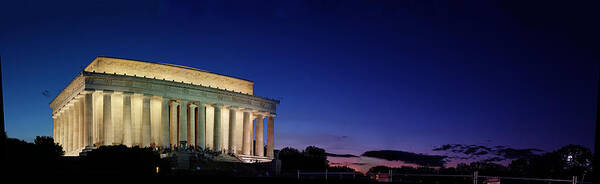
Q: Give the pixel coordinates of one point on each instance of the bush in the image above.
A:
(121, 160)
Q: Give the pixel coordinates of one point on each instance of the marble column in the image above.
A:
(136, 119)
(67, 132)
(55, 136)
(146, 129)
(98, 106)
(259, 146)
(247, 137)
(54, 125)
(218, 134)
(225, 129)
(155, 120)
(201, 126)
(82, 138)
(173, 127)
(183, 108)
(252, 134)
(58, 126)
(117, 112)
(232, 129)
(164, 132)
(88, 118)
(210, 127)
(59, 136)
(239, 131)
(70, 128)
(192, 124)
(64, 120)
(66, 128)
(108, 125)
(63, 129)
(75, 124)
(270, 136)
(127, 122)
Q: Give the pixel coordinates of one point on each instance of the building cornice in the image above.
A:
(183, 85)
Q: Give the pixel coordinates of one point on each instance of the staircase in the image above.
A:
(227, 158)
(253, 159)
(86, 150)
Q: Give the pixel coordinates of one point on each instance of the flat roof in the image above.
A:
(105, 64)
(174, 65)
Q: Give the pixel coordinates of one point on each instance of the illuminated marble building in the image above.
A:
(135, 103)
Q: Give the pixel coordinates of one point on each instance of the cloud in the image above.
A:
(444, 147)
(494, 159)
(466, 149)
(490, 154)
(340, 155)
(341, 138)
(363, 163)
(511, 153)
(480, 153)
(408, 157)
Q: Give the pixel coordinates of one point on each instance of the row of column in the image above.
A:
(113, 118)
(70, 125)
(220, 128)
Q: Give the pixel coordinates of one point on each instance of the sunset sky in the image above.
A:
(351, 77)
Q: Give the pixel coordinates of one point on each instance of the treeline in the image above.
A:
(121, 160)
(310, 159)
(44, 157)
(40, 157)
(568, 161)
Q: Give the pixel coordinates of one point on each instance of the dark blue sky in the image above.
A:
(352, 76)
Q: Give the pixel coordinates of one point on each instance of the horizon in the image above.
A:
(351, 78)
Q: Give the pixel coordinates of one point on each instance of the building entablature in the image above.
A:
(89, 81)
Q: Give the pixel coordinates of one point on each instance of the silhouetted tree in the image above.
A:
(45, 144)
(340, 169)
(121, 160)
(570, 160)
(488, 168)
(311, 159)
(576, 160)
(520, 167)
(41, 157)
(290, 159)
(379, 169)
(315, 159)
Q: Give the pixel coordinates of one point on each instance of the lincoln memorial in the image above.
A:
(117, 101)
